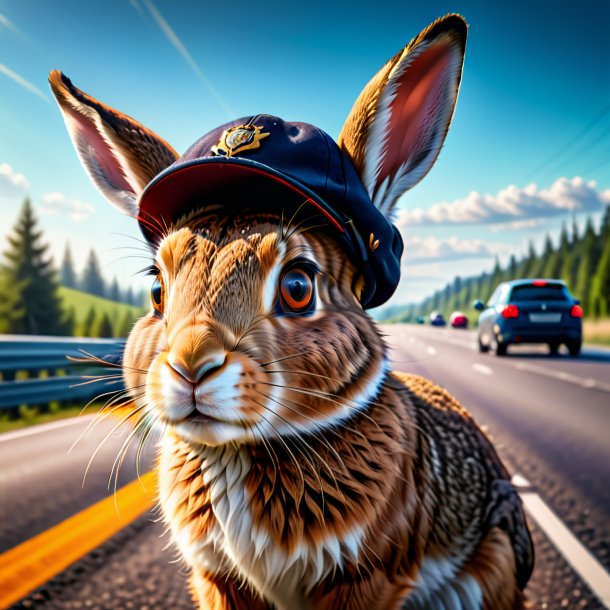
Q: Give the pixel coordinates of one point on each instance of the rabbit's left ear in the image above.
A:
(120, 155)
(398, 124)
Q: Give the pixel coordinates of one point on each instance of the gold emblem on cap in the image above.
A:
(373, 243)
(239, 139)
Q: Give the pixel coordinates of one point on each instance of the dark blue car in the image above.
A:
(530, 311)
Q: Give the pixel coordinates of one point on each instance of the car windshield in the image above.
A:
(548, 292)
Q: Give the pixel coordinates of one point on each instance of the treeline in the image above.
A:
(30, 301)
(581, 260)
(101, 324)
(92, 281)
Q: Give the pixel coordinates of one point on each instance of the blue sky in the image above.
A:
(531, 130)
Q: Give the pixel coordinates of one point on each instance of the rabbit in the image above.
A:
(296, 470)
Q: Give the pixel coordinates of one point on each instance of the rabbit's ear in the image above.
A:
(120, 155)
(399, 122)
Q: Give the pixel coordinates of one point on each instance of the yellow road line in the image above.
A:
(32, 563)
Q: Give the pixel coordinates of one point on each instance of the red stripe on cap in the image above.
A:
(240, 167)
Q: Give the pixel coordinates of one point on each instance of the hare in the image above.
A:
(296, 471)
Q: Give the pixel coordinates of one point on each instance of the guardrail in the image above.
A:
(28, 356)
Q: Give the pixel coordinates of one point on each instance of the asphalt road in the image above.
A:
(547, 415)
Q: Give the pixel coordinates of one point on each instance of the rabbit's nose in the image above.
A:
(196, 371)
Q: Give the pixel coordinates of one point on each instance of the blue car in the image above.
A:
(530, 311)
(436, 319)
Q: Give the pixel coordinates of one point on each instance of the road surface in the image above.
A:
(547, 415)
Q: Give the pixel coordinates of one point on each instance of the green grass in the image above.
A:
(81, 302)
(30, 417)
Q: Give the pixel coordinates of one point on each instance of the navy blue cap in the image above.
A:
(263, 162)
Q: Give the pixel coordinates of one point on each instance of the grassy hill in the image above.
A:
(81, 302)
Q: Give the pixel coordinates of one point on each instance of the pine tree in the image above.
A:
(589, 253)
(114, 294)
(539, 267)
(89, 322)
(11, 307)
(33, 305)
(67, 276)
(93, 282)
(512, 268)
(125, 326)
(528, 264)
(104, 327)
(600, 292)
(70, 321)
(129, 296)
(552, 269)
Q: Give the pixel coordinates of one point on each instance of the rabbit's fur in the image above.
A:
(318, 479)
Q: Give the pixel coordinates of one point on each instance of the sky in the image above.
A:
(528, 148)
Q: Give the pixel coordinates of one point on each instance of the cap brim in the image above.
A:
(236, 182)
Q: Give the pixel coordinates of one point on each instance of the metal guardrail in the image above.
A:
(33, 354)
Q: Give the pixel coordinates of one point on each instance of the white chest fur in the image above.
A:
(232, 545)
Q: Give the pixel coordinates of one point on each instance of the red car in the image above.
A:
(458, 320)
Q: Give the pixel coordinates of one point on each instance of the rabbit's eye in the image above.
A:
(157, 295)
(297, 290)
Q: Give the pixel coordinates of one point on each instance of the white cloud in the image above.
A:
(424, 250)
(512, 204)
(12, 184)
(56, 203)
(519, 225)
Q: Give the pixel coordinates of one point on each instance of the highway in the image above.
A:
(548, 417)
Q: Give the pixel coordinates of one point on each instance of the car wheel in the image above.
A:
(574, 348)
(483, 348)
(500, 348)
(554, 348)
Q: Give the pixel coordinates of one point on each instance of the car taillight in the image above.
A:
(510, 311)
(576, 311)
(539, 282)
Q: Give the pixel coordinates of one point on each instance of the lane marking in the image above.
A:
(583, 382)
(431, 350)
(483, 369)
(40, 428)
(32, 563)
(578, 556)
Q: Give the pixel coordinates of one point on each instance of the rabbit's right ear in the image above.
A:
(399, 122)
(120, 155)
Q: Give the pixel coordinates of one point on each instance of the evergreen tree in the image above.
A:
(104, 327)
(528, 264)
(604, 229)
(89, 322)
(129, 296)
(539, 267)
(114, 294)
(35, 305)
(67, 276)
(11, 307)
(126, 324)
(601, 283)
(70, 321)
(552, 269)
(93, 282)
(589, 253)
(512, 268)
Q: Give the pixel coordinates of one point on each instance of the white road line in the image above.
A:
(583, 562)
(39, 429)
(431, 350)
(584, 382)
(484, 370)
